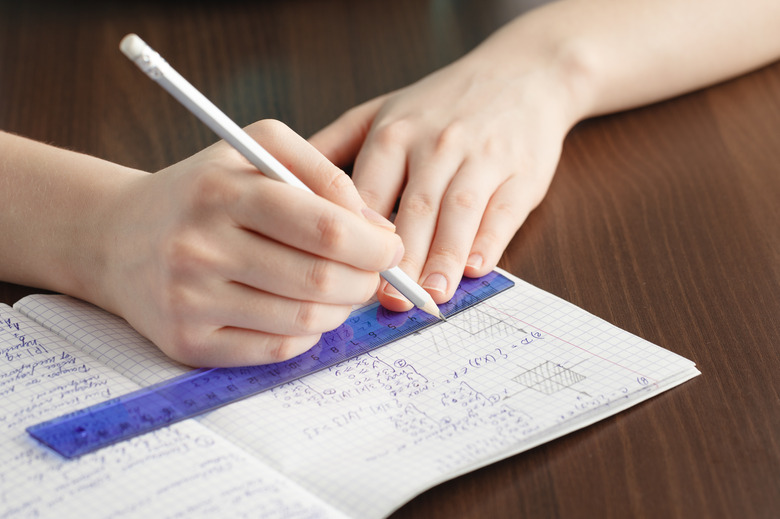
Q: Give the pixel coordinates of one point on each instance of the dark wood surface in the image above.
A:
(663, 220)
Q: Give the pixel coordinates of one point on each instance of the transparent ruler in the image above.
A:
(202, 390)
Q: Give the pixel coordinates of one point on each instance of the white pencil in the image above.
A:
(159, 70)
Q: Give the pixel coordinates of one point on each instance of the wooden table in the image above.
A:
(664, 220)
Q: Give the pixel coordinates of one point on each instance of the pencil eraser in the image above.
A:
(132, 46)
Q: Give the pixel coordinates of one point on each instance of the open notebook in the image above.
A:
(356, 440)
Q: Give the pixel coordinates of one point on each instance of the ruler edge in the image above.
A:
(95, 446)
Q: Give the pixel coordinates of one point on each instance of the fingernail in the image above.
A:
(474, 261)
(436, 283)
(391, 291)
(376, 218)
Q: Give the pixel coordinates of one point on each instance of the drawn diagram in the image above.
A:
(480, 322)
(477, 325)
(548, 378)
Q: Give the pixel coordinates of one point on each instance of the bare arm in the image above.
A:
(619, 54)
(471, 149)
(212, 261)
(51, 200)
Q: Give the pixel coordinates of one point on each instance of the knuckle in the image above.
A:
(321, 279)
(184, 253)
(331, 232)
(453, 136)
(370, 196)
(306, 318)
(339, 182)
(465, 200)
(412, 263)
(185, 351)
(448, 254)
(420, 204)
(184, 342)
(512, 212)
(181, 305)
(394, 132)
(177, 302)
(490, 235)
(491, 242)
(493, 147)
(209, 189)
(285, 347)
(314, 318)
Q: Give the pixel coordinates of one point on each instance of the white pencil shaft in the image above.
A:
(160, 71)
(404, 284)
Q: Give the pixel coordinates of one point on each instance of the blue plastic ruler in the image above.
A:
(202, 390)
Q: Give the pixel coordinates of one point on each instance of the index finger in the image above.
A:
(310, 223)
(307, 163)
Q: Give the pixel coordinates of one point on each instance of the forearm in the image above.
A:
(209, 259)
(612, 55)
(54, 204)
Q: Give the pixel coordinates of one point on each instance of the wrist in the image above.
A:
(96, 244)
(539, 46)
(56, 205)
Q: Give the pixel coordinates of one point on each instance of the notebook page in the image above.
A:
(104, 336)
(518, 370)
(181, 471)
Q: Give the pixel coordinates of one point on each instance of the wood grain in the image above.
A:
(662, 220)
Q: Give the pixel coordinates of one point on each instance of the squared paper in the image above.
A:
(358, 439)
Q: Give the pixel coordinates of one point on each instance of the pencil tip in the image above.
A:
(431, 308)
